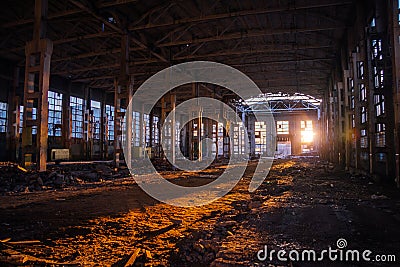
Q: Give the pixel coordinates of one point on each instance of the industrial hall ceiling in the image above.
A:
(282, 45)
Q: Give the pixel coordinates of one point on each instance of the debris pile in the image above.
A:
(15, 179)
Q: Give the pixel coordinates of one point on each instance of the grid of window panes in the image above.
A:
(377, 60)
(177, 133)
(239, 140)
(55, 113)
(96, 118)
(146, 118)
(360, 70)
(307, 131)
(220, 134)
(364, 139)
(398, 8)
(282, 127)
(76, 104)
(380, 135)
(214, 137)
(3, 117)
(351, 93)
(136, 127)
(155, 130)
(379, 102)
(364, 155)
(364, 116)
(260, 137)
(21, 119)
(122, 123)
(363, 92)
(110, 121)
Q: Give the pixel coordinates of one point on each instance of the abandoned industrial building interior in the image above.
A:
(271, 126)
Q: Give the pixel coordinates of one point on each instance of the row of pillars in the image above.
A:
(37, 76)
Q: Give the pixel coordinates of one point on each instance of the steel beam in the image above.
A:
(237, 14)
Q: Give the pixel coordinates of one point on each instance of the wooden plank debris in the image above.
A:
(132, 258)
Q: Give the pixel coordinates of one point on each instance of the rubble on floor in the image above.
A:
(14, 179)
(302, 204)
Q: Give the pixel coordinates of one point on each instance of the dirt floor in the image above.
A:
(303, 204)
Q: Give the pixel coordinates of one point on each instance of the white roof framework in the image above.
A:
(279, 103)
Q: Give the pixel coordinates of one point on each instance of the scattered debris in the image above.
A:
(375, 197)
(132, 258)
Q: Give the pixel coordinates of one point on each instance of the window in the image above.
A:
(376, 46)
(381, 157)
(155, 130)
(352, 102)
(351, 93)
(351, 85)
(377, 63)
(307, 132)
(398, 8)
(379, 102)
(364, 116)
(373, 23)
(21, 119)
(353, 121)
(110, 122)
(260, 137)
(353, 141)
(177, 133)
(220, 134)
(146, 118)
(282, 127)
(214, 137)
(3, 117)
(136, 126)
(378, 78)
(364, 139)
(360, 70)
(55, 113)
(363, 92)
(76, 104)
(96, 118)
(364, 156)
(380, 135)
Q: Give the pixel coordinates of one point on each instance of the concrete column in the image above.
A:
(199, 135)
(162, 122)
(173, 125)
(122, 97)
(103, 128)
(66, 118)
(13, 119)
(38, 56)
(394, 25)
